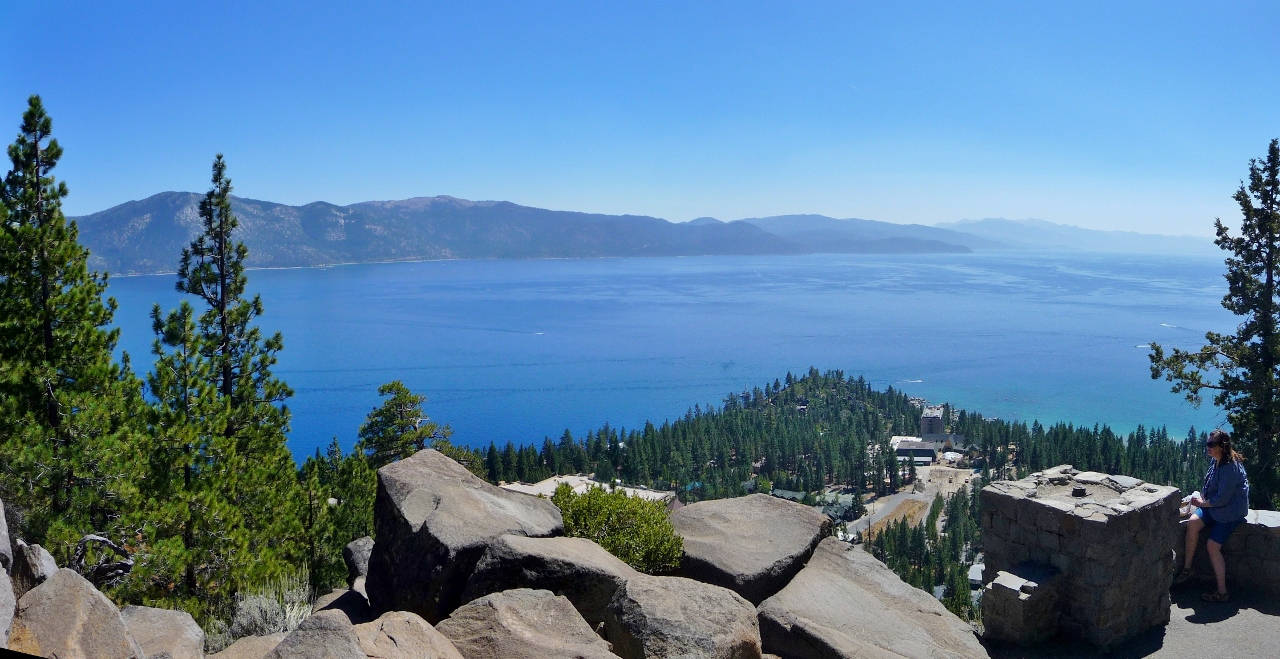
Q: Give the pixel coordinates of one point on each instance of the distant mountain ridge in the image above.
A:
(147, 236)
(1039, 234)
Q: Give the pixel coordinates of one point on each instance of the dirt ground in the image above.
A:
(945, 479)
(913, 509)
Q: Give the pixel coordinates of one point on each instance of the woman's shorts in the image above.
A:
(1218, 531)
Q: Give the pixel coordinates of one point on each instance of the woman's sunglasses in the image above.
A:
(1212, 445)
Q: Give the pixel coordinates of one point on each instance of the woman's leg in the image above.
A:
(1194, 525)
(1219, 565)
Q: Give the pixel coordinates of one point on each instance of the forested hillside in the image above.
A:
(827, 429)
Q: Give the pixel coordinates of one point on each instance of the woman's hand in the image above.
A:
(1197, 502)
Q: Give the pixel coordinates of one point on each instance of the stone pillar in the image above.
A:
(1110, 537)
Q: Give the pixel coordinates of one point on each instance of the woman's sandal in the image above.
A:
(1182, 576)
(1215, 596)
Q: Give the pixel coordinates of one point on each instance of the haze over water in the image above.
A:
(519, 350)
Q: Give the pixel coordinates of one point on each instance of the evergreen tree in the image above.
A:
(398, 428)
(66, 407)
(194, 542)
(1244, 368)
(265, 490)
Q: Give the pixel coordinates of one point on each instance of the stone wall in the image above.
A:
(1252, 554)
(1110, 537)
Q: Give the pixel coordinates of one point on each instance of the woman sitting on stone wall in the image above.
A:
(1222, 505)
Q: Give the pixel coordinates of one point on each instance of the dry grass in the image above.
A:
(914, 510)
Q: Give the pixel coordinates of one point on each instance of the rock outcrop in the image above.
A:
(67, 617)
(677, 617)
(356, 556)
(845, 603)
(522, 624)
(434, 520)
(351, 603)
(164, 632)
(325, 635)
(404, 635)
(576, 568)
(752, 545)
(8, 603)
(250, 647)
(32, 565)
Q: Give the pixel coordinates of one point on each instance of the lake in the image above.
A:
(520, 350)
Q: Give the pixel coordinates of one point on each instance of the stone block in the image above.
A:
(1023, 606)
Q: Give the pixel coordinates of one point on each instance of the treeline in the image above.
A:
(828, 429)
(799, 434)
(1014, 449)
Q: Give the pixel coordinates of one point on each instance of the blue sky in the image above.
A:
(1136, 115)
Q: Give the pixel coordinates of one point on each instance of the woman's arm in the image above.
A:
(1229, 480)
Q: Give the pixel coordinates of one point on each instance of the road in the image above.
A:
(935, 479)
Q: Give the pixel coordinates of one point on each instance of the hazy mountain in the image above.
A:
(1040, 234)
(824, 233)
(147, 236)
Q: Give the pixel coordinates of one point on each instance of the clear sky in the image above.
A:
(1133, 115)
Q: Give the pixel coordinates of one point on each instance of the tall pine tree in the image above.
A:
(1243, 369)
(264, 490)
(66, 407)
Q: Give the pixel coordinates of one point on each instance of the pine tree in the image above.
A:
(194, 541)
(1244, 368)
(66, 407)
(398, 428)
(265, 491)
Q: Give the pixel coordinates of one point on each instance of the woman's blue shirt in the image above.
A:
(1226, 491)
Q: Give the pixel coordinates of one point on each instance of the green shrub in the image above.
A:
(634, 529)
(277, 605)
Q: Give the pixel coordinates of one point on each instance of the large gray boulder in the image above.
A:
(325, 635)
(751, 545)
(351, 603)
(6, 550)
(250, 647)
(577, 568)
(845, 603)
(522, 624)
(67, 617)
(356, 556)
(677, 617)
(8, 603)
(433, 520)
(32, 565)
(404, 635)
(164, 631)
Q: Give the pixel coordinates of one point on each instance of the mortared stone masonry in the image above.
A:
(1104, 543)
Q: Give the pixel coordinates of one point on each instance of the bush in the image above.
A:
(634, 529)
(277, 606)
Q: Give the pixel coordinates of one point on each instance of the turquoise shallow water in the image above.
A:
(519, 350)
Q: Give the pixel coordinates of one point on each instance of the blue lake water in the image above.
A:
(519, 350)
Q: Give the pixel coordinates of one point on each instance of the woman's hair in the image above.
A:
(1221, 438)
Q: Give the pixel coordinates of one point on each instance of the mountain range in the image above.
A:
(147, 236)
